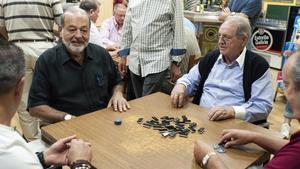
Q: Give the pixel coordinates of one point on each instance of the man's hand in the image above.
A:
(79, 150)
(118, 102)
(221, 113)
(178, 95)
(224, 14)
(56, 154)
(233, 137)
(113, 47)
(200, 150)
(175, 72)
(122, 66)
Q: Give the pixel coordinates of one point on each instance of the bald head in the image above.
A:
(291, 78)
(292, 67)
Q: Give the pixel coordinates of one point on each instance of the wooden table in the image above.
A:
(131, 146)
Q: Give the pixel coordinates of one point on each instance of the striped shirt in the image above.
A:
(29, 19)
(153, 35)
(190, 4)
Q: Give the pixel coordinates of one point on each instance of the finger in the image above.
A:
(120, 106)
(68, 139)
(124, 106)
(216, 115)
(109, 103)
(120, 67)
(226, 137)
(212, 112)
(174, 99)
(180, 100)
(115, 105)
(127, 105)
(225, 131)
(222, 115)
(231, 143)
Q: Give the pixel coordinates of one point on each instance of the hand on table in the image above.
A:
(221, 113)
(178, 95)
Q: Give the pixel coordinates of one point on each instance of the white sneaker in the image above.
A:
(285, 131)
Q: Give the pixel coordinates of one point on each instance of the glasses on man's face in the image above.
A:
(226, 38)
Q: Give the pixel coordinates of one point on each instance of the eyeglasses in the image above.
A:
(226, 38)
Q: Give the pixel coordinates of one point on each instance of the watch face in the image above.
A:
(68, 117)
(176, 63)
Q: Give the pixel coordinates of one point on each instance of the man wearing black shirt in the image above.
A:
(75, 77)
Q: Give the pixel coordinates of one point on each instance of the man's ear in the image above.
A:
(60, 31)
(91, 11)
(245, 40)
(19, 87)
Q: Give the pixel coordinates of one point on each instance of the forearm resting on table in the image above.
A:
(271, 144)
(47, 113)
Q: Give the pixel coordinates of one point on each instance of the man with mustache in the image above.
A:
(75, 77)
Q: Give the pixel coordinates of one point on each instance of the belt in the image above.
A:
(32, 40)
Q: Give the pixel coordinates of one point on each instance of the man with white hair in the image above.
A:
(75, 77)
(231, 81)
(286, 153)
(111, 28)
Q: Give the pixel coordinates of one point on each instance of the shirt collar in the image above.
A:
(240, 60)
(115, 23)
(65, 57)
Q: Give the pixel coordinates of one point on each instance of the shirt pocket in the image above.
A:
(100, 92)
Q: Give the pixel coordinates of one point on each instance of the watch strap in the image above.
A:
(206, 158)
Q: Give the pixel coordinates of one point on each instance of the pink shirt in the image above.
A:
(288, 156)
(111, 32)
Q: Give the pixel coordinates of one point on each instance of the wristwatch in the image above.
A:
(67, 117)
(206, 158)
(176, 63)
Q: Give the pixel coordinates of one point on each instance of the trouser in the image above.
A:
(143, 86)
(29, 124)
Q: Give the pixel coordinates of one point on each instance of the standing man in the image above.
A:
(111, 28)
(92, 7)
(192, 56)
(153, 37)
(75, 77)
(29, 25)
(247, 8)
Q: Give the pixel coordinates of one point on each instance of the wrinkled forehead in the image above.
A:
(228, 27)
(76, 19)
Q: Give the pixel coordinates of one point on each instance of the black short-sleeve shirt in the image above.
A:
(60, 82)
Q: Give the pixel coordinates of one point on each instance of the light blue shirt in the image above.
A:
(224, 87)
